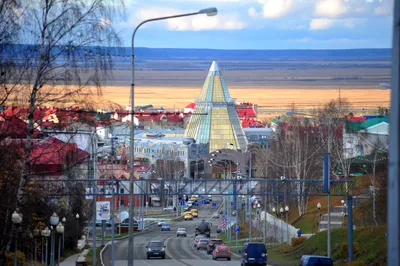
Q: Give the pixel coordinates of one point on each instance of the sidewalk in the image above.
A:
(70, 261)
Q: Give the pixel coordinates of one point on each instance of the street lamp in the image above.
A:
(77, 228)
(274, 212)
(319, 211)
(287, 223)
(281, 211)
(60, 231)
(212, 11)
(54, 220)
(46, 233)
(36, 233)
(16, 219)
(63, 220)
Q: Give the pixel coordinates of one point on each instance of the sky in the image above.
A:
(261, 24)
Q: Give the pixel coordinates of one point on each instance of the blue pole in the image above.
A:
(350, 226)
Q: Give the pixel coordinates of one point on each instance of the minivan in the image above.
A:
(253, 254)
(311, 260)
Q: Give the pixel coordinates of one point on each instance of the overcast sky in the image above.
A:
(262, 24)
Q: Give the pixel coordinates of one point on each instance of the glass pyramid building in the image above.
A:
(214, 119)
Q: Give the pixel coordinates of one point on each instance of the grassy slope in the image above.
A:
(372, 244)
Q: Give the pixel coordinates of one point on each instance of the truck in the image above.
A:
(203, 228)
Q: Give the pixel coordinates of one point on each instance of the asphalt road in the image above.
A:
(179, 251)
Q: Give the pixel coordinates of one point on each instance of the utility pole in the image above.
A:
(394, 147)
(248, 200)
(329, 188)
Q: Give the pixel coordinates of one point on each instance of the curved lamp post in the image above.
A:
(77, 228)
(54, 220)
(281, 211)
(212, 11)
(319, 214)
(274, 212)
(63, 220)
(46, 233)
(60, 231)
(287, 223)
(16, 219)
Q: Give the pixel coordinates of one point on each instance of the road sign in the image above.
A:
(196, 204)
(203, 201)
(223, 216)
(214, 204)
(237, 229)
(182, 203)
(231, 203)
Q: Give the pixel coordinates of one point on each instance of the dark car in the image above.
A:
(165, 227)
(203, 243)
(155, 248)
(213, 243)
(311, 260)
(253, 254)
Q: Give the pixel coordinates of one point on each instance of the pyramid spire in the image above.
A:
(215, 120)
(214, 88)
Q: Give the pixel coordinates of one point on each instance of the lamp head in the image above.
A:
(273, 210)
(211, 11)
(281, 210)
(319, 205)
(77, 216)
(287, 208)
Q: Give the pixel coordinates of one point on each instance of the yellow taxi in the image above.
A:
(188, 216)
(195, 213)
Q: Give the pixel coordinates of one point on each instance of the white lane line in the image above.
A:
(169, 254)
(145, 263)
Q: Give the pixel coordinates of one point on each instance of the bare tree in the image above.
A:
(68, 56)
(296, 153)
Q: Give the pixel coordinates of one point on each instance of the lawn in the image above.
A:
(371, 243)
(89, 257)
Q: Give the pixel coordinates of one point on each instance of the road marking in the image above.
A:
(169, 254)
(145, 263)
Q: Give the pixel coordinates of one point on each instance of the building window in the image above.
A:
(122, 191)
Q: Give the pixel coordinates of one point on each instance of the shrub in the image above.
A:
(298, 240)
(356, 263)
(20, 258)
(343, 249)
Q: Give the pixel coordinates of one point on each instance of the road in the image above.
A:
(179, 251)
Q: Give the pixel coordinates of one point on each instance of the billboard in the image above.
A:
(103, 210)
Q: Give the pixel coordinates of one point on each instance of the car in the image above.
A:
(188, 216)
(197, 239)
(186, 208)
(307, 260)
(213, 243)
(253, 254)
(189, 203)
(215, 215)
(222, 251)
(169, 208)
(160, 223)
(155, 248)
(203, 243)
(181, 232)
(165, 227)
(209, 197)
(195, 213)
(219, 229)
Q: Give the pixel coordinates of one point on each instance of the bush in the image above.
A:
(10, 258)
(343, 251)
(298, 240)
(356, 263)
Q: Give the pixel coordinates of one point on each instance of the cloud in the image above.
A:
(192, 23)
(385, 8)
(272, 9)
(330, 8)
(320, 23)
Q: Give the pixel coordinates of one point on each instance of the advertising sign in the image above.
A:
(103, 210)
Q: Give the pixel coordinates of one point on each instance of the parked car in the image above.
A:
(213, 243)
(222, 251)
(169, 208)
(203, 243)
(197, 239)
(181, 232)
(253, 254)
(308, 260)
(165, 227)
(160, 223)
(155, 248)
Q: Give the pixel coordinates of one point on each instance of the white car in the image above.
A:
(160, 223)
(181, 232)
(215, 215)
(169, 208)
(189, 204)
